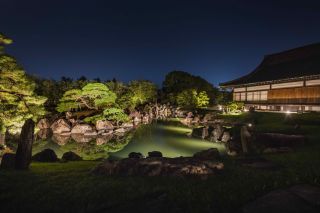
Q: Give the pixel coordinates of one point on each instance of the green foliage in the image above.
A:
(93, 96)
(17, 97)
(115, 114)
(202, 99)
(192, 99)
(178, 81)
(223, 97)
(134, 94)
(233, 106)
(143, 92)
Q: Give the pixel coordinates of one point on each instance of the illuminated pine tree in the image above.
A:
(17, 97)
(94, 97)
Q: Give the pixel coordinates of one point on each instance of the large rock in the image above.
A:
(61, 139)
(177, 167)
(200, 132)
(210, 154)
(128, 125)
(60, 126)
(82, 138)
(23, 154)
(71, 156)
(208, 117)
(296, 199)
(217, 132)
(8, 161)
(81, 129)
(44, 134)
(226, 137)
(103, 139)
(246, 139)
(46, 155)
(135, 155)
(154, 154)
(119, 131)
(104, 125)
(44, 123)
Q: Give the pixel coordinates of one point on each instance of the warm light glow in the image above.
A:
(219, 107)
(249, 125)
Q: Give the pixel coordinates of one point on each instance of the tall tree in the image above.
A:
(143, 92)
(18, 101)
(178, 81)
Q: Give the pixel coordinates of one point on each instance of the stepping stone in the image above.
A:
(310, 194)
(297, 199)
(259, 163)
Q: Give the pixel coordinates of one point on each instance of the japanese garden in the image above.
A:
(78, 143)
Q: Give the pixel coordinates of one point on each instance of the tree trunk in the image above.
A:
(24, 151)
(2, 138)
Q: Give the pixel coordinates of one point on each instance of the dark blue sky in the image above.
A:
(218, 40)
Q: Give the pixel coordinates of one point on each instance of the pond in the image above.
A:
(168, 137)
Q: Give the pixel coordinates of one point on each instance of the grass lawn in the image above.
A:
(69, 187)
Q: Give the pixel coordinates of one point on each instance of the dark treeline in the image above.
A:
(179, 88)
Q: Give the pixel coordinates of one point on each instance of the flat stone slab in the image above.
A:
(259, 163)
(296, 199)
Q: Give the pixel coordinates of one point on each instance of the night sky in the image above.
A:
(218, 40)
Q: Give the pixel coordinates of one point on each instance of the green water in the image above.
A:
(170, 138)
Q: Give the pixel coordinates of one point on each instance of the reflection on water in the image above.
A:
(170, 138)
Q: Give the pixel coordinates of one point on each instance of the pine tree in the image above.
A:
(17, 97)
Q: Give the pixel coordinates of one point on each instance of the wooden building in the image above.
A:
(285, 81)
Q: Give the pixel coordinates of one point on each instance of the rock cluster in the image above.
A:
(202, 165)
(64, 128)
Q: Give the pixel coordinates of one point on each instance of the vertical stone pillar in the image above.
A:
(245, 139)
(24, 151)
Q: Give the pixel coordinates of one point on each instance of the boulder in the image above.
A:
(127, 125)
(120, 130)
(208, 117)
(90, 133)
(225, 137)
(210, 154)
(246, 139)
(103, 139)
(104, 125)
(108, 132)
(81, 129)
(60, 139)
(154, 154)
(196, 120)
(298, 198)
(82, 138)
(43, 124)
(200, 132)
(136, 155)
(44, 133)
(217, 133)
(60, 126)
(69, 115)
(24, 151)
(71, 156)
(8, 161)
(46, 155)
